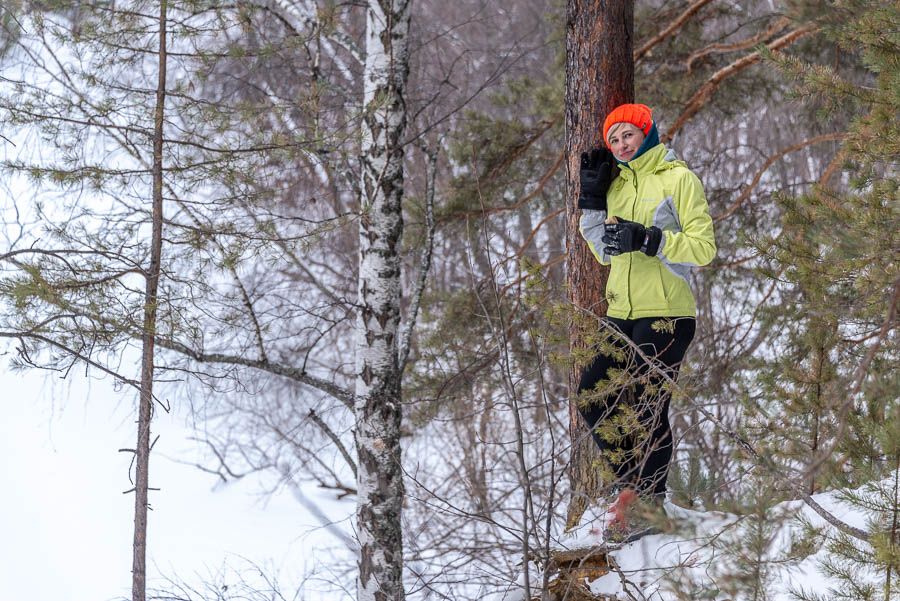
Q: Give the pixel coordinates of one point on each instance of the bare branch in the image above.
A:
(529, 519)
(490, 210)
(772, 160)
(425, 264)
(334, 438)
(673, 27)
(742, 45)
(12, 15)
(317, 512)
(701, 96)
(223, 464)
(280, 369)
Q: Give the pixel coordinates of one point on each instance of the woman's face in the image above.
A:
(624, 139)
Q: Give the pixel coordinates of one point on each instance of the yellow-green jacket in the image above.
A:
(654, 189)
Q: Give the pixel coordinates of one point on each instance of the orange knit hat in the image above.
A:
(636, 114)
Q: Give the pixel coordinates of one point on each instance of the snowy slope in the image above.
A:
(694, 564)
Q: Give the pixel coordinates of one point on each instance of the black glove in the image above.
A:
(595, 177)
(628, 236)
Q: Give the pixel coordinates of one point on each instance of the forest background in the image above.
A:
(205, 207)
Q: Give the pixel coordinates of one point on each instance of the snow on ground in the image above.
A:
(649, 567)
(65, 515)
(67, 526)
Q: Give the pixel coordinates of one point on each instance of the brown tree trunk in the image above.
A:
(599, 77)
(145, 404)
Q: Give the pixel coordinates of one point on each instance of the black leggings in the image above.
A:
(638, 456)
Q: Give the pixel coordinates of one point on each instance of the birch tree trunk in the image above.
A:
(599, 77)
(378, 391)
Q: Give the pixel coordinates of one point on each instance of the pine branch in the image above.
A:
(862, 370)
(520, 279)
(745, 194)
(702, 96)
(68, 350)
(832, 168)
(490, 210)
(262, 363)
(293, 18)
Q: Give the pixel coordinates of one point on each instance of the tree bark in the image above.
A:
(378, 392)
(151, 275)
(599, 77)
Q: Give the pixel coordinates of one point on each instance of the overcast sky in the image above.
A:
(66, 527)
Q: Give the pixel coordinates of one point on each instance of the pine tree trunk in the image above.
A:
(145, 406)
(378, 391)
(599, 77)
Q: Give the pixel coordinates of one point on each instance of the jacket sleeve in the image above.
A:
(592, 230)
(695, 244)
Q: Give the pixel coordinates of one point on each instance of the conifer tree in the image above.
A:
(68, 282)
(240, 140)
(823, 409)
(840, 250)
(114, 112)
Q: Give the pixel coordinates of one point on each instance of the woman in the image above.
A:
(651, 224)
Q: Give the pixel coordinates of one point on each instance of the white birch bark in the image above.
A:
(378, 392)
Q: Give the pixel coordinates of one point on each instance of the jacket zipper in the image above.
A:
(630, 257)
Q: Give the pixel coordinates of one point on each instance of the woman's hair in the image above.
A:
(616, 126)
(638, 115)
